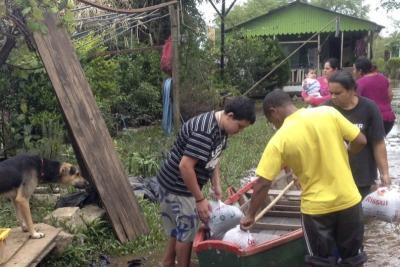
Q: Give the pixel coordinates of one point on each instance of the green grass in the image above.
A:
(243, 153)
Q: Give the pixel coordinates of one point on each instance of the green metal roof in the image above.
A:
(299, 18)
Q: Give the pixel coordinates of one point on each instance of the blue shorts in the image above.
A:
(178, 215)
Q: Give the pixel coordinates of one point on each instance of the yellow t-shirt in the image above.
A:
(311, 143)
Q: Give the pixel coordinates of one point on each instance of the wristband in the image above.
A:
(200, 200)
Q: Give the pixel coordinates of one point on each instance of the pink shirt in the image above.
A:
(376, 88)
(324, 88)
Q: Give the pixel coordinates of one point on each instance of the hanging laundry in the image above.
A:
(166, 122)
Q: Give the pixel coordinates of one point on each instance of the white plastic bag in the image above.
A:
(242, 239)
(223, 217)
(384, 204)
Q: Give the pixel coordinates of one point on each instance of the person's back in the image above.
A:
(376, 88)
(318, 156)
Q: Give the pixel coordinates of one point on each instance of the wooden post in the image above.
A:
(222, 38)
(91, 140)
(369, 44)
(341, 50)
(175, 66)
(318, 54)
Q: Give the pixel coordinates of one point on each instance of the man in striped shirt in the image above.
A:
(191, 163)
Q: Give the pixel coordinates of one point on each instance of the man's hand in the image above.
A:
(203, 210)
(386, 180)
(246, 222)
(216, 192)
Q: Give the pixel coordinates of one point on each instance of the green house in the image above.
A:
(333, 35)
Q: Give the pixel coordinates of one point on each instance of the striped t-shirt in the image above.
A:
(199, 138)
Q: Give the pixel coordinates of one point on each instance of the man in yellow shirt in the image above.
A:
(311, 143)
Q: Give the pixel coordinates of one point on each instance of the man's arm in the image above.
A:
(357, 144)
(380, 156)
(260, 191)
(216, 182)
(186, 168)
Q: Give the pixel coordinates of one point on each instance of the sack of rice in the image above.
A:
(243, 239)
(223, 217)
(384, 204)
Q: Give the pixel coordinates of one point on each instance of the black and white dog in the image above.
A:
(19, 177)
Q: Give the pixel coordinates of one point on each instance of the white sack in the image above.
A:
(384, 204)
(242, 239)
(223, 217)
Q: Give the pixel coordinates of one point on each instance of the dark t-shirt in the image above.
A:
(199, 138)
(367, 117)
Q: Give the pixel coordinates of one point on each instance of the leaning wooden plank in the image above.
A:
(14, 242)
(92, 141)
(33, 248)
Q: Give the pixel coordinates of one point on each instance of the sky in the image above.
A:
(378, 16)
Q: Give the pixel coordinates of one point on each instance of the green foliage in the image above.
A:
(34, 10)
(348, 7)
(393, 65)
(251, 9)
(390, 4)
(142, 164)
(99, 239)
(249, 59)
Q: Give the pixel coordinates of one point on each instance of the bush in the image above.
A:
(250, 59)
(393, 66)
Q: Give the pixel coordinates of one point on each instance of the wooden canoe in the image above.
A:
(278, 235)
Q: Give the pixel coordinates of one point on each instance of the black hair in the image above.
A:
(345, 79)
(276, 98)
(310, 69)
(242, 108)
(363, 64)
(333, 62)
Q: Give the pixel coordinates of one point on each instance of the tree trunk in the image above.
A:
(6, 49)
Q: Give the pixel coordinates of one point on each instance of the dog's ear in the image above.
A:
(73, 170)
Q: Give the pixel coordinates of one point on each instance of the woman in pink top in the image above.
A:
(331, 66)
(375, 86)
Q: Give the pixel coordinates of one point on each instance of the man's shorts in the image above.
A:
(178, 215)
(335, 239)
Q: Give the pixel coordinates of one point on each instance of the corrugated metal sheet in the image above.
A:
(300, 18)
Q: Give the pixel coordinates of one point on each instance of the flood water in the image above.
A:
(382, 240)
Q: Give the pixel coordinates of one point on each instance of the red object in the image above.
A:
(166, 57)
(314, 101)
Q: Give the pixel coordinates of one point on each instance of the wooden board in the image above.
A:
(33, 250)
(92, 142)
(14, 242)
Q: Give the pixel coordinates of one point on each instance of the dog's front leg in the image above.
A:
(23, 205)
(20, 218)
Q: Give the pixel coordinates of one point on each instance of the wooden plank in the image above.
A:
(289, 203)
(286, 208)
(34, 248)
(275, 226)
(289, 214)
(43, 254)
(14, 242)
(291, 193)
(173, 15)
(91, 140)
